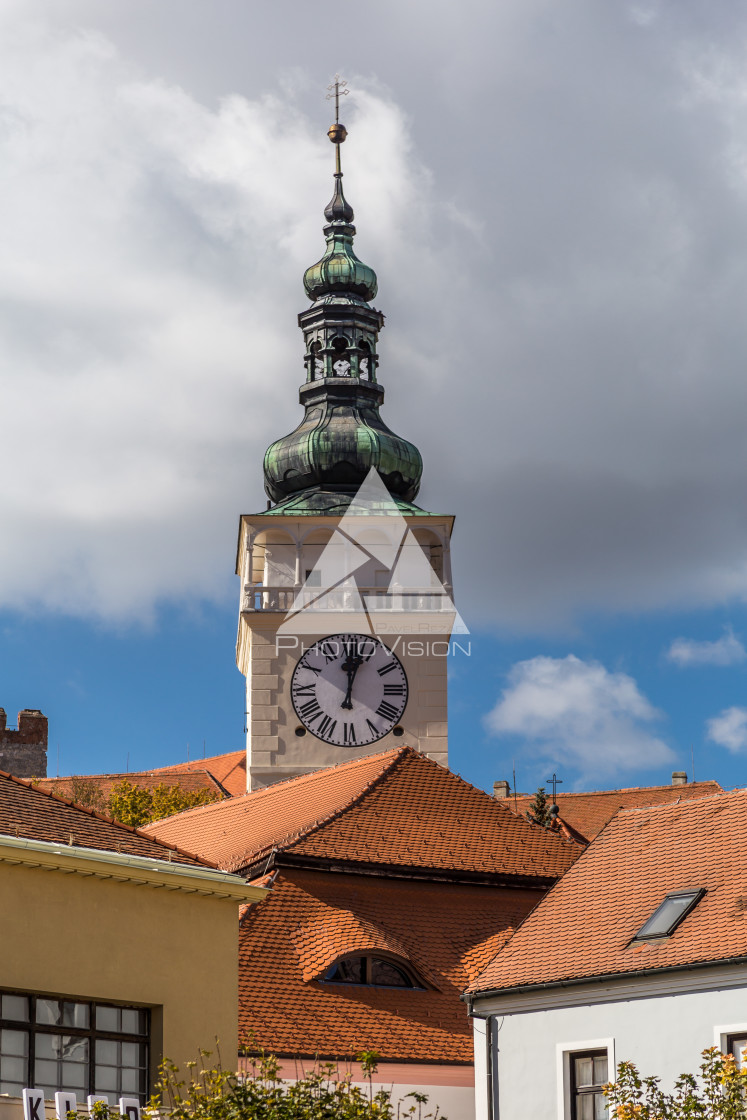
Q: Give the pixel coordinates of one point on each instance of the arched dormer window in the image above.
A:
(375, 972)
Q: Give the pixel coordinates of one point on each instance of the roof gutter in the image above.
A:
(602, 978)
(139, 870)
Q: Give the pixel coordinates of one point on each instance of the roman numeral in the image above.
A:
(313, 668)
(386, 711)
(394, 690)
(305, 690)
(373, 727)
(326, 727)
(310, 710)
(348, 732)
(390, 665)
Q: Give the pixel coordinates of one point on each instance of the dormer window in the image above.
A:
(668, 916)
(375, 972)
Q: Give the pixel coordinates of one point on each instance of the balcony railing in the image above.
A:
(257, 597)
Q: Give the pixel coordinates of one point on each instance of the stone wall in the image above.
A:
(23, 750)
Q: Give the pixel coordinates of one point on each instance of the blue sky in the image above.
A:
(160, 694)
(556, 209)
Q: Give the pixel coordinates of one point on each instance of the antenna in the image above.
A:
(513, 769)
(692, 763)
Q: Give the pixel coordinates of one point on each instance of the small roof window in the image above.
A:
(668, 916)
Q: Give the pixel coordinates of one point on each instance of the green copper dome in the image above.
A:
(340, 272)
(342, 435)
(338, 441)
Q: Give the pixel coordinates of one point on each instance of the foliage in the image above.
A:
(720, 1093)
(538, 812)
(139, 805)
(87, 793)
(321, 1094)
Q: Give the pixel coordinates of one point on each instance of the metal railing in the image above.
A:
(282, 597)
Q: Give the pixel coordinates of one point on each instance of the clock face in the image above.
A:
(349, 690)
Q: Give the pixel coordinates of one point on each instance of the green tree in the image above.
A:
(538, 812)
(719, 1093)
(139, 805)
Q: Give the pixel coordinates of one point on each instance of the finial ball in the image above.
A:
(337, 133)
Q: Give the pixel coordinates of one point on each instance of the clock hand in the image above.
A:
(351, 667)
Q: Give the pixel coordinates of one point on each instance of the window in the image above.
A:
(81, 1047)
(668, 916)
(736, 1044)
(588, 1071)
(376, 972)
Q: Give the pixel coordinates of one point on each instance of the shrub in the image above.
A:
(321, 1094)
(720, 1093)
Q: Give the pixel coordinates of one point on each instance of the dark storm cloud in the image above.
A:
(555, 202)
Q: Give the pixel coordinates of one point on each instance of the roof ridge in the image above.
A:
(679, 803)
(291, 838)
(407, 752)
(260, 794)
(623, 789)
(28, 783)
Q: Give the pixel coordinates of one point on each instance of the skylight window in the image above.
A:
(668, 916)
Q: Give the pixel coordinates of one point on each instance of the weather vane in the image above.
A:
(338, 89)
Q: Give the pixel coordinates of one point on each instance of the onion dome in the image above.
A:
(340, 272)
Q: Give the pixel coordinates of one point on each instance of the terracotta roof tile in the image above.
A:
(584, 925)
(588, 813)
(225, 774)
(36, 814)
(395, 808)
(446, 931)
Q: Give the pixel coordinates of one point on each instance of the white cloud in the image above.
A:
(153, 250)
(727, 650)
(729, 729)
(576, 713)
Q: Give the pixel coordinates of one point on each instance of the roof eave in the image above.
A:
(599, 978)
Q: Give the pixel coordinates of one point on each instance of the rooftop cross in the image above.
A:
(556, 781)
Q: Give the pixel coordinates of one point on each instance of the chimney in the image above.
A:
(23, 750)
(501, 790)
(679, 778)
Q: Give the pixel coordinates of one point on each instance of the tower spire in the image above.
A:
(338, 209)
(320, 465)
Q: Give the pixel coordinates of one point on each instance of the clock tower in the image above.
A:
(346, 610)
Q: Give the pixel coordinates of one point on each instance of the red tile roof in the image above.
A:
(224, 774)
(395, 808)
(588, 813)
(446, 931)
(584, 925)
(30, 812)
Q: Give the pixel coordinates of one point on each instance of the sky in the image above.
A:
(555, 203)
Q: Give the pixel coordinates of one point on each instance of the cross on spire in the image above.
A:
(338, 89)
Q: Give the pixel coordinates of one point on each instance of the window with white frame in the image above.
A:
(736, 1044)
(73, 1045)
(588, 1072)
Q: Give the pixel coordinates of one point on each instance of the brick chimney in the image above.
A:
(23, 750)
(501, 790)
(679, 778)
